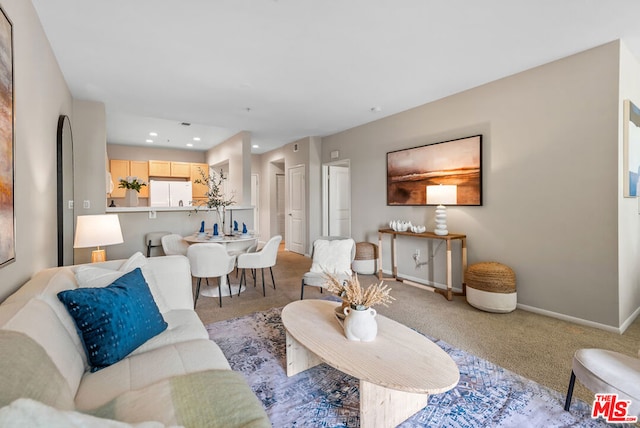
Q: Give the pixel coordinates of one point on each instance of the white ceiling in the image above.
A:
(287, 69)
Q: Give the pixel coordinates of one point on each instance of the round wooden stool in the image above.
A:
(491, 287)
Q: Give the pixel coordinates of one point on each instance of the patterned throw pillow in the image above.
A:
(113, 321)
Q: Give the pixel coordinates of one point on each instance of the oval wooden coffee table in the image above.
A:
(397, 371)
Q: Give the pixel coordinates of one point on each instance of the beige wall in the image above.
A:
(550, 174)
(89, 158)
(628, 208)
(234, 155)
(41, 95)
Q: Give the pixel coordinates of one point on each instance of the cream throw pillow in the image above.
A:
(332, 256)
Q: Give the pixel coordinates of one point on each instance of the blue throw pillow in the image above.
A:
(114, 320)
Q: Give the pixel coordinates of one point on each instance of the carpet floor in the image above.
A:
(486, 396)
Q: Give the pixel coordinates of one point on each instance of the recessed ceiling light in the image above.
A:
(185, 124)
(189, 145)
(153, 134)
(255, 146)
(196, 138)
(149, 141)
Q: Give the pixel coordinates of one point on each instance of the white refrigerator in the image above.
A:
(170, 193)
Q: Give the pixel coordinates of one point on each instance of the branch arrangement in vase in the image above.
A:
(215, 196)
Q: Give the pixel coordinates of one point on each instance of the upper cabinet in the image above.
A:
(169, 169)
(199, 190)
(126, 168)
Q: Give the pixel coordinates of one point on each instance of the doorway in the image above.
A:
(297, 214)
(336, 198)
(280, 208)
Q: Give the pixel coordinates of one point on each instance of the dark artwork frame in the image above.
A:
(7, 144)
(457, 162)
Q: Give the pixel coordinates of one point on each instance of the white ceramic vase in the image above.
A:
(360, 326)
(131, 198)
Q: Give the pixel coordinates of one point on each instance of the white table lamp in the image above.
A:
(95, 231)
(442, 195)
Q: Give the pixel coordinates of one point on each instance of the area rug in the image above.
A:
(486, 396)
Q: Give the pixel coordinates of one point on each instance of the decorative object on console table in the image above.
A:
(442, 195)
(98, 230)
(359, 316)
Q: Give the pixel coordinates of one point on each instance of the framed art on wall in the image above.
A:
(454, 162)
(7, 164)
(631, 137)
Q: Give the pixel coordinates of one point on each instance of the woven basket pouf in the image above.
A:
(365, 259)
(491, 287)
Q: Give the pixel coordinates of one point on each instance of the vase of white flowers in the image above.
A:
(132, 186)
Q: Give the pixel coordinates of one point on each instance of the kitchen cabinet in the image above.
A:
(120, 168)
(199, 190)
(169, 169)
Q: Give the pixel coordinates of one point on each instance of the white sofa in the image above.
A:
(179, 377)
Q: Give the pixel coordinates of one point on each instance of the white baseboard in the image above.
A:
(569, 318)
(545, 312)
(625, 325)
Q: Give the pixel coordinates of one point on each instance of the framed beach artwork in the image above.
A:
(454, 162)
(7, 164)
(631, 137)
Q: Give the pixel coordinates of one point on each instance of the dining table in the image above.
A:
(236, 243)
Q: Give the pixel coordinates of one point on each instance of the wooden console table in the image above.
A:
(448, 293)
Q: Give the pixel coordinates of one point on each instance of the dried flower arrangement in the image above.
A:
(354, 295)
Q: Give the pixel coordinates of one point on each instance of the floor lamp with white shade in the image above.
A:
(96, 231)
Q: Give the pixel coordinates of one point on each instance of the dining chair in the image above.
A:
(330, 254)
(607, 372)
(153, 240)
(174, 244)
(210, 261)
(265, 258)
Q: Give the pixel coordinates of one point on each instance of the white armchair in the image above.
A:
(330, 254)
(607, 372)
(265, 258)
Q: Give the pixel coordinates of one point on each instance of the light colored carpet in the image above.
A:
(537, 347)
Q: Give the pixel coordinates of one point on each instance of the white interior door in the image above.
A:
(255, 202)
(339, 201)
(297, 214)
(280, 206)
